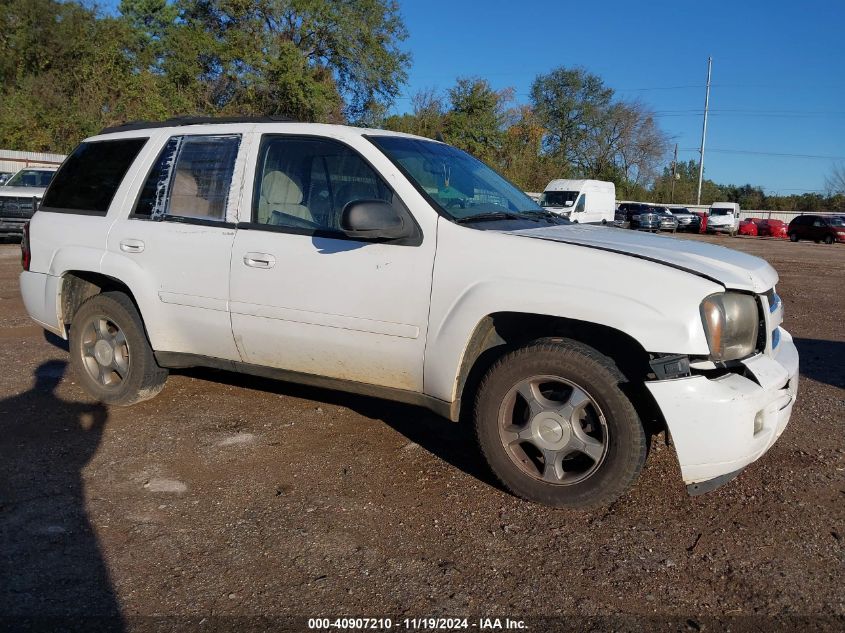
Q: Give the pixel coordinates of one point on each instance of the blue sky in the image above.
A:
(778, 70)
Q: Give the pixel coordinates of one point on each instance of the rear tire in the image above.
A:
(575, 440)
(110, 353)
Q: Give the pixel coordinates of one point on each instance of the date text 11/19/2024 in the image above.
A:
(415, 624)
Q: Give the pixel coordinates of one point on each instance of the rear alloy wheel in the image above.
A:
(556, 428)
(110, 353)
(793, 237)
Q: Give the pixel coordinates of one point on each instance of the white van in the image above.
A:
(723, 218)
(582, 201)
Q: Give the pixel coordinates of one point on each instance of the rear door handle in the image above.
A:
(259, 260)
(132, 246)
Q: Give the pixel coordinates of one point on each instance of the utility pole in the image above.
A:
(674, 174)
(704, 130)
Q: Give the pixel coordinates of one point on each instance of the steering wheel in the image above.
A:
(456, 202)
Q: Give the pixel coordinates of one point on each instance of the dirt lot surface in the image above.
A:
(235, 496)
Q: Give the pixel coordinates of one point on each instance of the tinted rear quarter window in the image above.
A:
(89, 178)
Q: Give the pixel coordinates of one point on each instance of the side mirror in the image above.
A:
(373, 220)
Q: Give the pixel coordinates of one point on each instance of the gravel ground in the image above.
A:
(229, 496)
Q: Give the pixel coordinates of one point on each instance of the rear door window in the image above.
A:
(91, 175)
(191, 179)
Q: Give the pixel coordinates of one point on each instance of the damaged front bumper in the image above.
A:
(721, 425)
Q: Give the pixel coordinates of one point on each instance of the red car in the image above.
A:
(703, 226)
(748, 227)
(773, 228)
(818, 228)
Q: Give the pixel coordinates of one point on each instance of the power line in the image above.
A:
(756, 153)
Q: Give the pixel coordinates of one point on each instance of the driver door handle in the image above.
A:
(259, 260)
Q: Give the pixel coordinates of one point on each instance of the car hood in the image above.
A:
(728, 267)
(23, 192)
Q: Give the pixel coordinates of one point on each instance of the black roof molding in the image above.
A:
(194, 120)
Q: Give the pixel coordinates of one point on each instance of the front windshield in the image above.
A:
(31, 178)
(559, 198)
(720, 211)
(462, 186)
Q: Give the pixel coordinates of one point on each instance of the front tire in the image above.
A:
(110, 353)
(828, 239)
(793, 237)
(555, 426)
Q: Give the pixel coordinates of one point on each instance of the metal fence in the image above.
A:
(12, 161)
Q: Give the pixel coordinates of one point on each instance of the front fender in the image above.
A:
(658, 306)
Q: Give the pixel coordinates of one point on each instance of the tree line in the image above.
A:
(67, 71)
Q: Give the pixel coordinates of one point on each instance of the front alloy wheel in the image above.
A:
(553, 430)
(555, 426)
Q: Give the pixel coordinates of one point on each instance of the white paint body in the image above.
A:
(402, 316)
(594, 200)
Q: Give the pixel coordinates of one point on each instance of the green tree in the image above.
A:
(310, 59)
(66, 71)
(569, 103)
(595, 135)
(522, 159)
(65, 75)
(475, 119)
(425, 119)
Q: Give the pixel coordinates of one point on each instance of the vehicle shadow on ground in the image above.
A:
(450, 441)
(822, 361)
(52, 572)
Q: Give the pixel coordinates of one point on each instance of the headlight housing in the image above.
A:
(731, 322)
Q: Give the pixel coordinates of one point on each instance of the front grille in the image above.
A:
(17, 207)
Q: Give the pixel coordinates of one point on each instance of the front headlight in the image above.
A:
(731, 321)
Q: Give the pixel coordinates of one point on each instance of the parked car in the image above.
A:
(773, 228)
(819, 228)
(4, 176)
(400, 267)
(687, 221)
(20, 196)
(723, 218)
(702, 221)
(748, 227)
(637, 215)
(668, 222)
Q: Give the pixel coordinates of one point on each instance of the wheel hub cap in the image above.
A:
(551, 430)
(104, 353)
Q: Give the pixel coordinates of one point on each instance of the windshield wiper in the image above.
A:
(487, 217)
(543, 213)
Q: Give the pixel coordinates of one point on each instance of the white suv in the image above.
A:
(400, 267)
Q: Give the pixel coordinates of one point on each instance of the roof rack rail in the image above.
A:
(194, 120)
